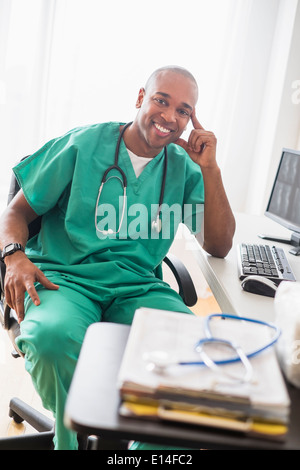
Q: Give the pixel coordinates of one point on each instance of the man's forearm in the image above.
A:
(15, 220)
(219, 222)
(13, 228)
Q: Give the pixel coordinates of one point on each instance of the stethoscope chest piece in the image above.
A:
(156, 224)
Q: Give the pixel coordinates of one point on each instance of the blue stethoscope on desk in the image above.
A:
(158, 361)
(156, 223)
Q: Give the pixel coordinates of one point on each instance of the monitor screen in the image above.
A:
(284, 202)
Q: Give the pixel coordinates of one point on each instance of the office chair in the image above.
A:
(19, 410)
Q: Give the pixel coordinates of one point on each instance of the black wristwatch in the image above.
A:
(10, 249)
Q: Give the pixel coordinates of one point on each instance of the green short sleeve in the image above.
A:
(45, 175)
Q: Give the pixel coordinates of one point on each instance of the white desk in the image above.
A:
(222, 274)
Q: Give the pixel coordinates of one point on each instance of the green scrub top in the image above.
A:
(61, 182)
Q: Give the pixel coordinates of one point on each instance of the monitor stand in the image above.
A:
(294, 241)
(295, 251)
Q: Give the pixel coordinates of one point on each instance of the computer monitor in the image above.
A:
(284, 203)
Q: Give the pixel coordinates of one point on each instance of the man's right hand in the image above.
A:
(20, 276)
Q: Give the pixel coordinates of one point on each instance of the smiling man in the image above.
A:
(166, 105)
(73, 274)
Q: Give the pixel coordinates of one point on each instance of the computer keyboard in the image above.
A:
(264, 260)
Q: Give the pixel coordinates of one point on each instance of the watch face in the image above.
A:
(8, 248)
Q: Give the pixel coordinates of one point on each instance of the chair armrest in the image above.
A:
(2, 276)
(3, 309)
(185, 283)
(9, 322)
(7, 316)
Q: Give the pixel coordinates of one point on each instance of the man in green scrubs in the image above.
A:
(78, 270)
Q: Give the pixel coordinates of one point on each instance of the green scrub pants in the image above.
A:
(52, 334)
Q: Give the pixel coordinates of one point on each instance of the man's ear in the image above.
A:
(140, 99)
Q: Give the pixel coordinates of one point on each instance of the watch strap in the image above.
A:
(10, 249)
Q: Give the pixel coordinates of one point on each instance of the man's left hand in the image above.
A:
(201, 145)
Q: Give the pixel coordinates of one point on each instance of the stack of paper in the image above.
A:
(197, 394)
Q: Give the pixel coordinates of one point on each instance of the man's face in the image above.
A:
(165, 109)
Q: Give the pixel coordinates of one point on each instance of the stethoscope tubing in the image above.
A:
(210, 338)
(114, 167)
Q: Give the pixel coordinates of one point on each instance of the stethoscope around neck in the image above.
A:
(156, 223)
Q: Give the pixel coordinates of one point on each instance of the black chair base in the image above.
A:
(42, 440)
(38, 441)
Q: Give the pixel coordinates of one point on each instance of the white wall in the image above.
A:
(279, 120)
(287, 132)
